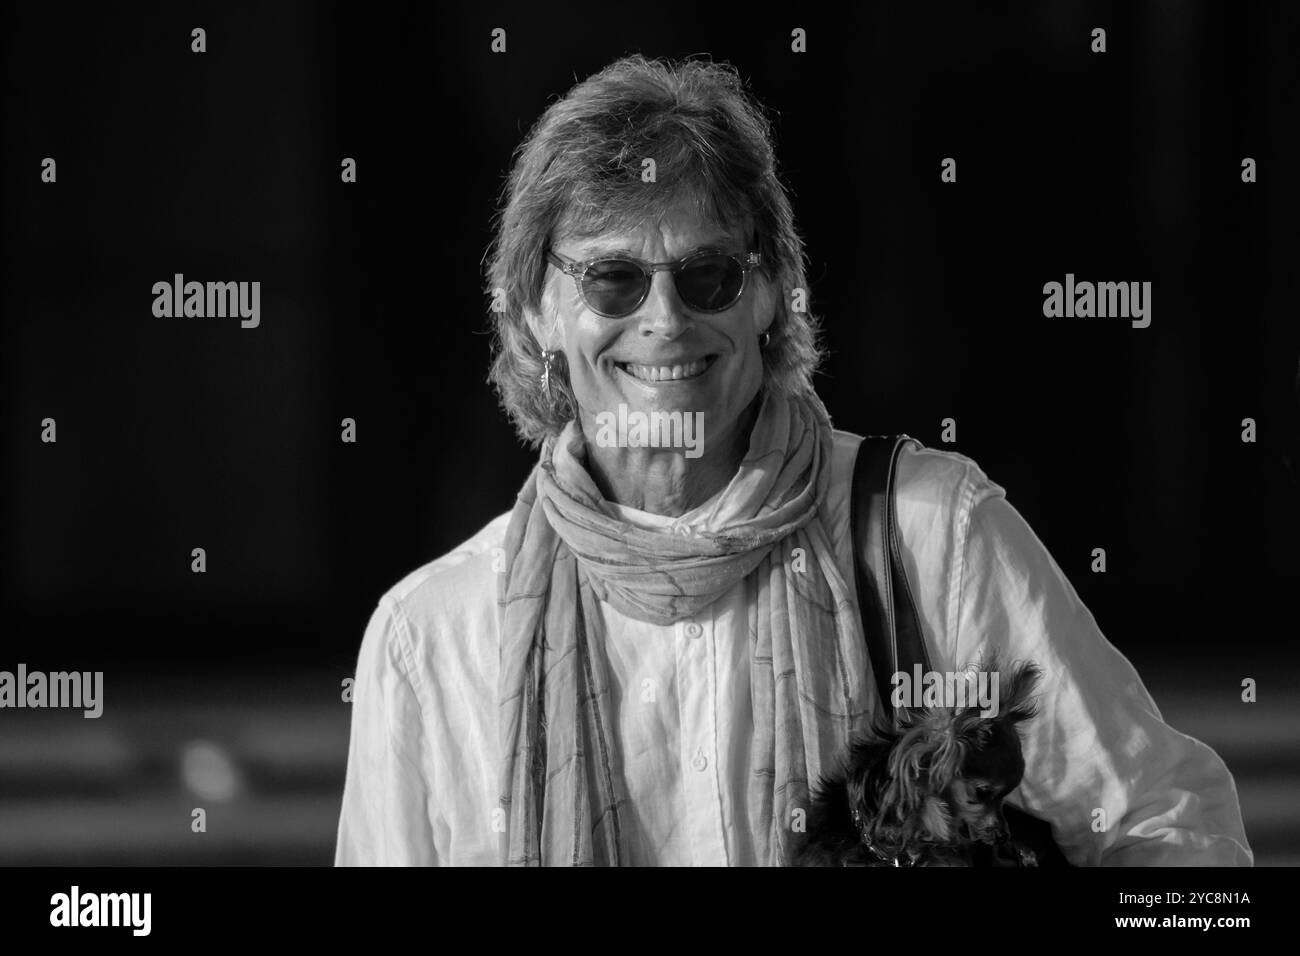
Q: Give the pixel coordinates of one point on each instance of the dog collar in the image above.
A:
(879, 854)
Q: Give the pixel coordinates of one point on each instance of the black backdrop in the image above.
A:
(179, 433)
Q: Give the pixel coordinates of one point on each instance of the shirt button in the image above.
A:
(693, 629)
(699, 761)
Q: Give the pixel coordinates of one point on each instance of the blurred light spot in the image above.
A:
(209, 772)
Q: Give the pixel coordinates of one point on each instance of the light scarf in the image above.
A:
(560, 787)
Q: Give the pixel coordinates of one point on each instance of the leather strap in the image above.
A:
(884, 595)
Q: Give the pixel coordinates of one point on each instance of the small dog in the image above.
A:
(928, 792)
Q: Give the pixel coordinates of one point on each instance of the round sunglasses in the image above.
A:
(616, 286)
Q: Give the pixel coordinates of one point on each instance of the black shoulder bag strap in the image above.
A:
(890, 620)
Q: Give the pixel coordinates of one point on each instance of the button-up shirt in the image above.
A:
(1119, 786)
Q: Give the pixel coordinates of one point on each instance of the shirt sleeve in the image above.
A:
(1098, 742)
(387, 808)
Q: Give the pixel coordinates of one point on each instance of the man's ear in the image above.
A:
(545, 324)
(769, 300)
(534, 322)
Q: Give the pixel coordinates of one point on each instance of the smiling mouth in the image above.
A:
(668, 373)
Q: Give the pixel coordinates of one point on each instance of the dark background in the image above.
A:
(222, 690)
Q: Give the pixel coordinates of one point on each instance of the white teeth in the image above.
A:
(662, 373)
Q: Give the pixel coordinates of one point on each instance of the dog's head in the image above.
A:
(947, 770)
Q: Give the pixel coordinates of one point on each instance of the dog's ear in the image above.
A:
(856, 780)
(1016, 686)
(1018, 701)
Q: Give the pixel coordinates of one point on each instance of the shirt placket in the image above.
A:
(698, 702)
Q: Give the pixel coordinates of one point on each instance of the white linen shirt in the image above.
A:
(422, 774)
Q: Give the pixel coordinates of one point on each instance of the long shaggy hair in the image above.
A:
(929, 791)
(578, 174)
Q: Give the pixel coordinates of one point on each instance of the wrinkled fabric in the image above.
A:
(422, 781)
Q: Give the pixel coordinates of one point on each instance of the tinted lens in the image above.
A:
(613, 286)
(711, 282)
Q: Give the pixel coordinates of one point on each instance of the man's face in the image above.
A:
(632, 360)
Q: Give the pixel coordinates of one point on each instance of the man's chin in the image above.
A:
(667, 421)
(664, 405)
(676, 396)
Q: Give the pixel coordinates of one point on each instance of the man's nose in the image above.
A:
(663, 313)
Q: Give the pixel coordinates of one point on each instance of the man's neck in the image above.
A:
(663, 481)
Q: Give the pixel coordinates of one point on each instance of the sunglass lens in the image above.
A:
(613, 287)
(711, 282)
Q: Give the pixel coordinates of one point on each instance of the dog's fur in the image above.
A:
(928, 792)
